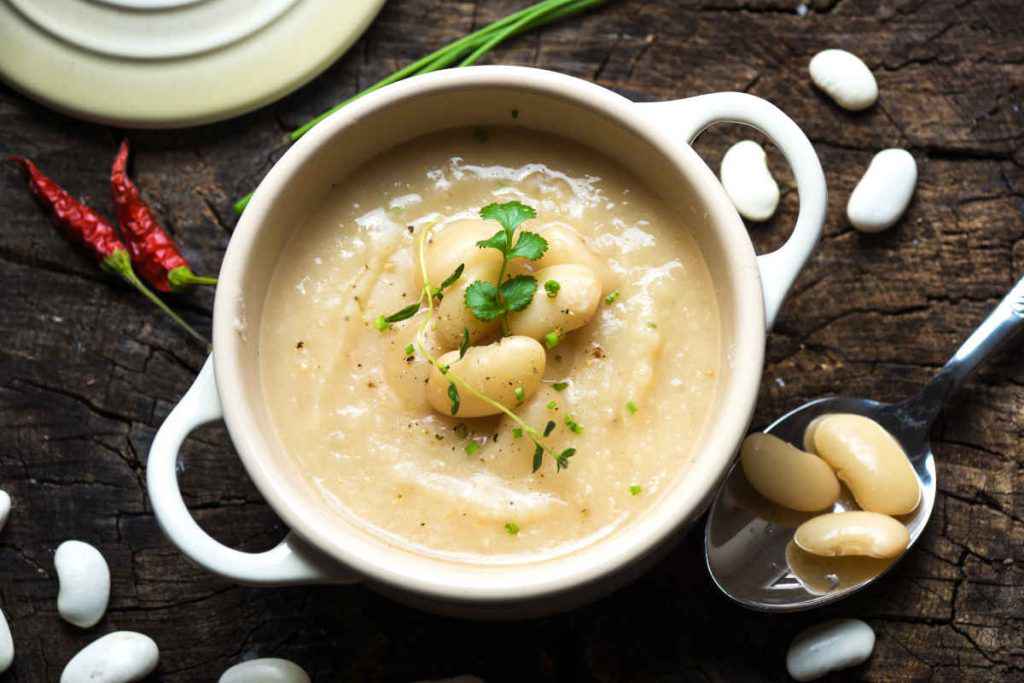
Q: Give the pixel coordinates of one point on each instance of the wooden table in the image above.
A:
(89, 370)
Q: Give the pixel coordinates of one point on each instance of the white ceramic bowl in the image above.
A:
(650, 140)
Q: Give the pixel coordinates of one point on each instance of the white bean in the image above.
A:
(845, 78)
(455, 243)
(787, 475)
(884, 193)
(852, 533)
(748, 182)
(572, 307)
(495, 370)
(118, 657)
(84, 583)
(565, 245)
(830, 646)
(870, 462)
(5, 508)
(6, 644)
(452, 316)
(266, 670)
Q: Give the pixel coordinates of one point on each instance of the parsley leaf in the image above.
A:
(509, 214)
(482, 300)
(518, 292)
(451, 279)
(465, 342)
(529, 246)
(453, 395)
(404, 314)
(498, 240)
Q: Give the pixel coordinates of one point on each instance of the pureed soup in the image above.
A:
(610, 364)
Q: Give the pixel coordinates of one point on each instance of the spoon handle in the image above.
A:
(1000, 326)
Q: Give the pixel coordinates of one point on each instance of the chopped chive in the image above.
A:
(551, 339)
(574, 426)
(612, 296)
(472, 447)
(380, 323)
(409, 350)
(560, 386)
(517, 432)
(520, 394)
(635, 490)
(549, 427)
(552, 405)
(552, 287)
(631, 407)
(511, 528)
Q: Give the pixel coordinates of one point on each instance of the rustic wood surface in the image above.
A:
(88, 370)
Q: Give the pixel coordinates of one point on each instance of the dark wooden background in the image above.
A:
(88, 370)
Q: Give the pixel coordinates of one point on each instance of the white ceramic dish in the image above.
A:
(652, 141)
(171, 63)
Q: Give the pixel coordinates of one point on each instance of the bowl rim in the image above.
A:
(459, 583)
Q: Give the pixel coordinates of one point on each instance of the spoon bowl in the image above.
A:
(748, 539)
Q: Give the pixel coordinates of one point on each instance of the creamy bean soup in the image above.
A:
(491, 423)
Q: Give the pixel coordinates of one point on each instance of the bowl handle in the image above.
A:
(690, 117)
(290, 562)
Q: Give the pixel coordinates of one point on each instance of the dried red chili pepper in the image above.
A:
(153, 251)
(90, 228)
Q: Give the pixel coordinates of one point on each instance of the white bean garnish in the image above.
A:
(84, 583)
(829, 646)
(845, 78)
(266, 670)
(870, 462)
(119, 657)
(6, 644)
(5, 508)
(884, 193)
(852, 533)
(566, 246)
(748, 182)
(572, 307)
(496, 370)
(787, 475)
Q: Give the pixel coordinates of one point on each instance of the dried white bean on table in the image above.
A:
(6, 644)
(266, 670)
(884, 192)
(118, 657)
(829, 646)
(845, 78)
(748, 182)
(84, 583)
(5, 508)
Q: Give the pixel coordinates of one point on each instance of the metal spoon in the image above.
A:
(746, 536)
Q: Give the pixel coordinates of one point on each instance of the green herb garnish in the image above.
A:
(384, 322)
(488, 301)
(520, 394)
(552, 287)
(381, 323)
(612, 296)
(653, 326)
(560, 386)
(538, 457)
(562, 459)
(631, 407)
(574, 426)
(552, 405)
(453, 395)
(409, 350)
(472, 447)
(517, 432)
(511, 528)
(549, 427)
(465, 343)
(635, 490)
(551, 339)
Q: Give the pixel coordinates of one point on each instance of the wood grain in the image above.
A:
(88, 370)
